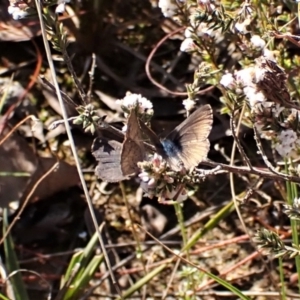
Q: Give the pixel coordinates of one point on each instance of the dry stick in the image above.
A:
(148, 72)
(30, 84)
(242, 262)
(68, 62)
(91, 74)
(264, 156)
(32, 117)
(42, 279)
(134, 232)
(48, 84)
(169, 285)
(193, 253)
(70, 137)
(234, 146)
(237, 141)
(180, 188)
(255, 171)
(143, 58)
(26, 201)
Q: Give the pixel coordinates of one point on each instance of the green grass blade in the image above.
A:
(12, 265)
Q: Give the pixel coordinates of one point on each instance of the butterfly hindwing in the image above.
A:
(117, 161)
(108, 154)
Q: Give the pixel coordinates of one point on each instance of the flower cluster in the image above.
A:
(19, 10)
(244, 18)
(130, 101)
(169, 8)
(275, 115)
(199, 29)
(189, 104)
(158, 180)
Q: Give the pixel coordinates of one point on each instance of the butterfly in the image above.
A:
(118, 161)
(187, 145)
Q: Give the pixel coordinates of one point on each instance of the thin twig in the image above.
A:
(32, 117)
(91, 74)
(68, 62)
(237, 141)
(26, 201)
(264, 156)
(254, 171)
(148, 63)
(48, 84)
(70, 137)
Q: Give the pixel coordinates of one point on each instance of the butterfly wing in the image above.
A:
(153, 138)
(133, 148)
(190, 139)
(108, 154)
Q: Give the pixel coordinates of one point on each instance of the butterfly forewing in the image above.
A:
(190, 140)
(133, 148)
(131, 155)
(153, 138)
(193, 137)
(196, 126)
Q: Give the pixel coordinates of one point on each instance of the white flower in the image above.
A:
(17, 13)
(203, 30)
(253, 96)
(259, 74)
(278, 109)
(296, 202)
(168, 8)
(269, 54)
(188, 45)
(188, 33)
(60, 8)
(136, 100)
(298, 169)
(207, 5)
(242, 26)
(257, 41)
(245, 76)
(189, 104)
(228, 81)
(287, 143)
(144, 176)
